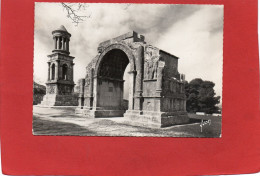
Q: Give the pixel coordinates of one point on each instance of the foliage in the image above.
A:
(38, 89)
(201, 96)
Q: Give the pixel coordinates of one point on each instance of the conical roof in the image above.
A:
(62, 28)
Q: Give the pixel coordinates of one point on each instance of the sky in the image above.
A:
(194, 33)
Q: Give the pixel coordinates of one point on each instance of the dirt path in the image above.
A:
(50, 121)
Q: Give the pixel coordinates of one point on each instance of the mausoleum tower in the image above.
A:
(60, 83)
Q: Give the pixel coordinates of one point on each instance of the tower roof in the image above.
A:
(62, 28)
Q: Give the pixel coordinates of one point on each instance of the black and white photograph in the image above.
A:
(140, 70)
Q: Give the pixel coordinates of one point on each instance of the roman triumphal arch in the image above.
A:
(156, 89)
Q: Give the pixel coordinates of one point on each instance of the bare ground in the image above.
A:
(63, 121)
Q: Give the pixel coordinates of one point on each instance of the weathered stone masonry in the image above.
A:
(156, 92)
(60, 84)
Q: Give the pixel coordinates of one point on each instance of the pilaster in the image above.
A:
(57, 65)
(132, 75)
(139, 78)
(159, 78)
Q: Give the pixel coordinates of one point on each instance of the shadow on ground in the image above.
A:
(50, 121)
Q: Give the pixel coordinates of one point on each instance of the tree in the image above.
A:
(201, 96)
(74, 11)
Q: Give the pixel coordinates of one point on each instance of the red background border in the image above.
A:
(236, 152)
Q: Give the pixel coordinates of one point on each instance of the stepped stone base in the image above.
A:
(59, 100)
(139, 118)
(156, 119)
(99, 113)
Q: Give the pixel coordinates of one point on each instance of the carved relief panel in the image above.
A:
(151, 59)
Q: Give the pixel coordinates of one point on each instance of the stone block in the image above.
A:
(156, 119)
(100, 113)
(59, 100)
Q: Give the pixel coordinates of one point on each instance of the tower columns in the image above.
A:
(63, 43)
(58, 47)
(67, 44)
(55, 42)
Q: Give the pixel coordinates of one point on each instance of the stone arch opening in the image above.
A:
(64, 71)
(104, 82)
(110, 83)
(117, 46)
(97, 97)
(53, 72)
(113, 64)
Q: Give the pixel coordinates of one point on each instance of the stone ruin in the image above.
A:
(60, 84)
(156, 91)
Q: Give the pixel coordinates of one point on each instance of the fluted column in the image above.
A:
(63, 43)
(56, 39)
(49, 64)
(55, 42)
(58, 42)
(67, 45)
